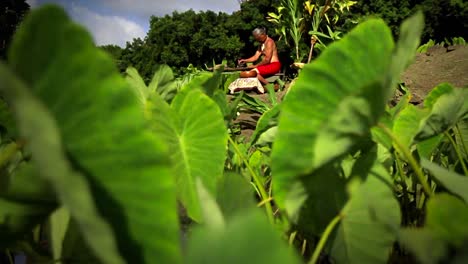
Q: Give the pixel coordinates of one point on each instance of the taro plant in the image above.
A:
(319, 12)
(289, 19)
(333, 169)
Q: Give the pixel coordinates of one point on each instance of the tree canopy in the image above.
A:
(11, 14)
(201, 38)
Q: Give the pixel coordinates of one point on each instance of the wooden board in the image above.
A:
(227, 69)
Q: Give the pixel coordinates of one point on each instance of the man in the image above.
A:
(270, 63)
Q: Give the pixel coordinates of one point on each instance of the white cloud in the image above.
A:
(107, 29)
(161, 7)
(32, 3)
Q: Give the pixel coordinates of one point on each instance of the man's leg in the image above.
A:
(248, 74)
(261, 79)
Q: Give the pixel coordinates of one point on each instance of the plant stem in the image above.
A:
(462, 140)
(8, 153)
(457, 150)
(256, 178)
(10, 258)
(324, 238)
(413, 163)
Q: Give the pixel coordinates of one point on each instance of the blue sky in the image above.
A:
(119, 21)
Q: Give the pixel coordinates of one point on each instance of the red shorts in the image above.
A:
(269, 69)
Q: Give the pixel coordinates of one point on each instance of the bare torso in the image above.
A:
(274, 56)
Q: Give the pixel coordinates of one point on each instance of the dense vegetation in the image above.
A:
(97, 165)
(11, 14)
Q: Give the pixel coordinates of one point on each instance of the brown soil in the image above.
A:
(439, 64)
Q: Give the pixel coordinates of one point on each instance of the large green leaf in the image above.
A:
(405, 124)
(462, 137)
(268, 120)
(103, 134)
(25, 201)
(163, 82)
(6, 119)
(427, 147)
(438, 91)
(369, 222)
(40, 130)
(447, 217)
(248, 238)
(453, 182)
(197, 139)
(235, 195)
(423, 244)
(446, 112)
(445, 231)
(313, 202)
(332, 105)
(138, 84)
(408, 42)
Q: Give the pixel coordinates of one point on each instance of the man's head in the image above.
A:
(260, 34)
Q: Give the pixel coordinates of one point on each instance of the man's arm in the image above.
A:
(268, 51)
(253, 58)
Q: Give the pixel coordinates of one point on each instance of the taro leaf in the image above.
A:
(248, 238)
(369, 222)
(332, 105)
(212, 215)
(267, 137)
(405, 125)
(25, 201)
(197, 137)
(138, 84)
(231, 77)
(438, 91)
(408, 42)
(163, 81)
(313, 202)
(423, 244)
(462, 137)
(41, 132)
(453, 182)
(271, 93)
(235, 195)
(426, 148)
(446, 112)
(379, 136)
(59, 223)
(402, 104)
(268, 120)
(100, 123)
(6, 119)
(17, 218)
(74, 247)
(447, 217)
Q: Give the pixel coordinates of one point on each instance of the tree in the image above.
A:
(11, 14)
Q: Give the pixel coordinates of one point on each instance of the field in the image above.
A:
(362, 158)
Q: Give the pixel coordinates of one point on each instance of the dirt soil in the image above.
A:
(439, 64)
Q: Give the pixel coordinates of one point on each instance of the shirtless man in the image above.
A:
(270, 64)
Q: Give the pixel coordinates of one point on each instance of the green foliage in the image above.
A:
(322, 127)
(108, 163)
(372, 210)
(261, 244)
(97, 168)
(11, 15)
(438, 14)
(194, 130)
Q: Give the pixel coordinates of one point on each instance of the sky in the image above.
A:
(119, 21)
